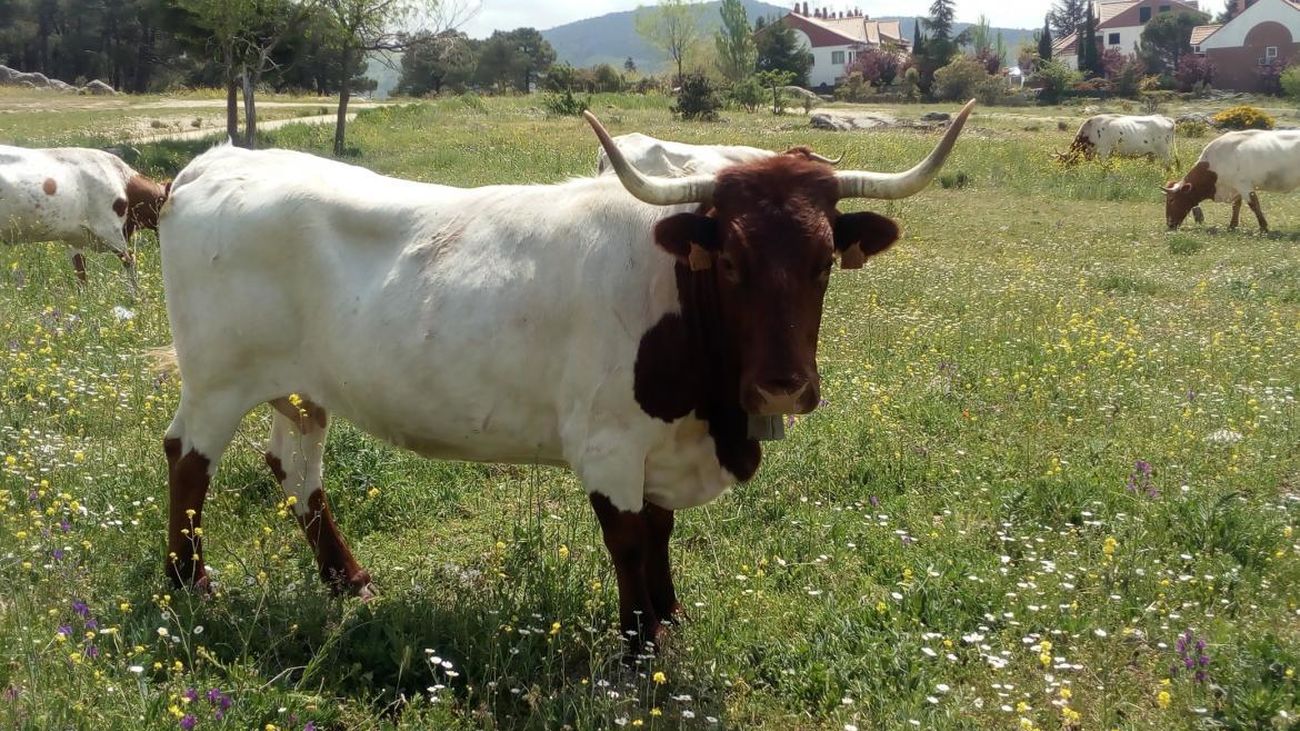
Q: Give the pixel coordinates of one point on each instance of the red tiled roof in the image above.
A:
(1202, 32)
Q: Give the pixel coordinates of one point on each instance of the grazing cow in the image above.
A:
(665, 158)
(629, 337)
(1233, 167)
(1113, 134)
(88, 199)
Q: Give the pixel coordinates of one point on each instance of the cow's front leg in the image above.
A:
(1236, 215)
(1259, 212)
(626, 536)
(663, 595)
(79, 266)
(1198, 215)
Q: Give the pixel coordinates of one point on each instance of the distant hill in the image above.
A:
(612, 38)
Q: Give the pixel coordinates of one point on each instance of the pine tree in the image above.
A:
(1045, 41)
(939, 24)
(918, 40)
(1068, 17)
(735, 42)
(1089, 58)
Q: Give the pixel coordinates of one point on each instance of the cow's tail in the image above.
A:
(163, 360)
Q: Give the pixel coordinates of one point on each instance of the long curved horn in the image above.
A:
(892, 186)
(655, 191)
(828, 160)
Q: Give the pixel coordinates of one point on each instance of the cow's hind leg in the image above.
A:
(1236, 214)
(1258, 211)
(198, 436)
(295, 455)
(663, 594)
(626, 535)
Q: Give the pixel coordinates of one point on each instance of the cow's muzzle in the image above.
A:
(782, 396)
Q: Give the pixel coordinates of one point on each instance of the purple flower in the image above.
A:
(65, 525)
(65, 630)
(11, 693)
(190, 695)
(57, 554)
(80, 608)
(311, 726)
(188, 722)
(91, 652)
(92, 624)
(221, 701)
(875, 501)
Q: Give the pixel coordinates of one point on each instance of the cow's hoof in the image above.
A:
(366, 593)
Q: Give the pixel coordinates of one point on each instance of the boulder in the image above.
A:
(936, 117)
(99, 88)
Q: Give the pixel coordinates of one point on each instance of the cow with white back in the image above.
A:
(628, 337)
(666, 158)
(1232, 168)
(1105, 135)
(88, 199)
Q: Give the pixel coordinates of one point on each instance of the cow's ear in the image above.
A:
(861, 235)
(690, 237)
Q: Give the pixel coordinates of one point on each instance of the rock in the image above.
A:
(32, 80)
(99, 88)
(833, 122)
(1195, 118)
(936, 117)
(843, 121)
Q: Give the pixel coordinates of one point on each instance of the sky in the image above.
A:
(506, 14)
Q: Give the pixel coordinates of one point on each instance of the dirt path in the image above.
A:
(200, 134)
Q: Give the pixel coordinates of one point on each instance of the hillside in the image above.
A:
(612, 38)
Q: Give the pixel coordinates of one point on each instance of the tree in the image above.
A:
(779, 50)
(535, 55)
(878, 66)
(1067, 17)
(1193, 70)
(629, 65)
(1166, 38)
(737, 53)
(981, 36)
(918, 39)
(361, 27)
(940, 46)
(1089, 56)
(939, 24)
(776, 80)
(672, 27)
(1045, 40)
(434, 61)
(1228, 13)
(498, 61)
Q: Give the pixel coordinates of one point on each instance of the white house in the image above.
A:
(1119, 25)
(1249, 51)
(835, 38)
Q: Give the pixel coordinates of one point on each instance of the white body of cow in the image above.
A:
(666, 158)
(491, 324)
(1105, 135)
(74, 195)
(1253, 160)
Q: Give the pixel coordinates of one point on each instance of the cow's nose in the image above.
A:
(782, 395)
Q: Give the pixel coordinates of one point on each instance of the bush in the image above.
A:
(992, 91)
(1243, 117)
(698, 99)
(1128, 82)
(749, 94)
(959, 80)
(1193, 71)
(1055, 78)
(565, 104)
(855, 88)
(879, 67)
(1192, 128)
(1291, 83)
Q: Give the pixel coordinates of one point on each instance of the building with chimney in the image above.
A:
(836, 37)
(1250, 51)
(1119, 26)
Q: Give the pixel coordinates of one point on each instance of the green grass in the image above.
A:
(992, 383)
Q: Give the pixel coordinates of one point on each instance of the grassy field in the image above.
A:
(1055, 485)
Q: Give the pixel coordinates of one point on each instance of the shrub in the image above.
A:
(1291, 83)
(698, 99)
(992, 91)
(855, 88)
(877, 66)
(1055, 78)
(958, 80)
(1243, 117)
(1113, 61)
(1193, 70)
(1192, 128)
(1128, 82)
(748, 94)
(565, 104)
(911, 82)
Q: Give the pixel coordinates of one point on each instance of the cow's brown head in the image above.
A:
(770, 237)
(144, 199)
(1182, 196)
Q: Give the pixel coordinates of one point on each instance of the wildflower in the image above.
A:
(1163, 699)
(1108, 547)
(660, 678)
(563, 551)
(372, 492)
(188, 721)
(656, 712)
(1070, 715)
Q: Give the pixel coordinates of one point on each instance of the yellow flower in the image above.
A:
(1070, 715)
(79, 457)
(189, 512)
(563, 551)
(1065, 694)
(656, 712)
(372, 492)
(1109, 546)
(291, 501)
(555, 628)
(1163, 698)
(660, 678)
(1022, 707)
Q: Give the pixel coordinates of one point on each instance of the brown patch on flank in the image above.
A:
(303, 416)
(50, 186)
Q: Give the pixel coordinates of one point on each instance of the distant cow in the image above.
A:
(666, 158)
(1233, 167)
(88, 199)
(639, 329)
(1105, 135)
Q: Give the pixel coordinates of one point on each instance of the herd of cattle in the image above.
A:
(648, 341)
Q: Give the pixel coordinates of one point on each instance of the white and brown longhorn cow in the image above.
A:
(666, 158)
(1106, 135)
(629, 337)
(88, 199)
(1232, 168)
